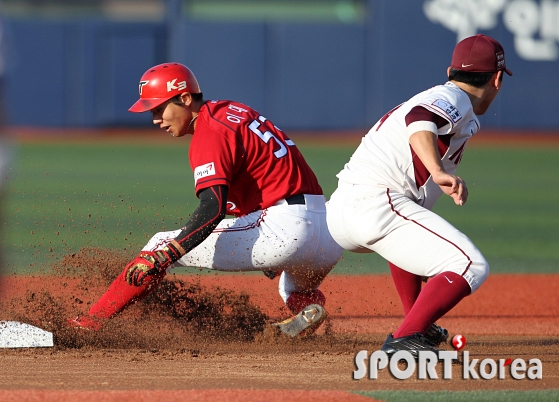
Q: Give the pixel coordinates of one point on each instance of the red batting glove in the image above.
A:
(151, 263)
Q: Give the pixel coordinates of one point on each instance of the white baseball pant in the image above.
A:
(291, 238)
(365, 219)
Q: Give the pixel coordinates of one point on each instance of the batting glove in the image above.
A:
(151, 263)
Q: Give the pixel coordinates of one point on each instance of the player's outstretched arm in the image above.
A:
(424, 143)
(212, 209)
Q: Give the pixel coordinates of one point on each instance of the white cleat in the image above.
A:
(304, 323)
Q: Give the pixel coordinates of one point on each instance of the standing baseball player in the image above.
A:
(243, 166)
(386, 191)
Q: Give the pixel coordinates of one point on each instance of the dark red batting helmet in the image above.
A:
(161, 83)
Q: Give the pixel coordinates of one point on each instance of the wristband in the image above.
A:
(178, 247)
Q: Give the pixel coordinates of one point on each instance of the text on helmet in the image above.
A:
(171, 85)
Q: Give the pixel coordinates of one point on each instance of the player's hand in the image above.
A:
(453, 186)
(151, 263)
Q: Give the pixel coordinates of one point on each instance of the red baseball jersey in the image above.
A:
(235, 146)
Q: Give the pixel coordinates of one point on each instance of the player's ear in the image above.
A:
(448, 72)
(186, 98)
(497, 79)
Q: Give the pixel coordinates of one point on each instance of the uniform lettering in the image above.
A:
(237, 109)
(287, 141)
(386, 116)
(266, 136)
(234, 118)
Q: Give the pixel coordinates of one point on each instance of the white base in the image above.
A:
(15, 334)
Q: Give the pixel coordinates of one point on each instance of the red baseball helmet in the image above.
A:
(161, 83)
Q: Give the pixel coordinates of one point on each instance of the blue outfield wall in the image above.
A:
(299, 76)
(78, 74)
(302, 76)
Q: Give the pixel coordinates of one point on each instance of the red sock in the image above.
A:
(297, 301)
(439, 295)
(120, 295)
(408, 286)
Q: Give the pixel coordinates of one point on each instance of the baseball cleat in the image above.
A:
(304, 323)
(84, 323)
(413, 343)
(436, 334)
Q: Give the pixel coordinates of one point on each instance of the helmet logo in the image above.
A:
(142, 83)
(171, 85)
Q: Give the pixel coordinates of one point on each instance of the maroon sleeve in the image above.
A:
(419, 113)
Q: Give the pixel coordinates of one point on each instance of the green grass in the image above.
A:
(464, 396)
(61, 197)
(512, 214)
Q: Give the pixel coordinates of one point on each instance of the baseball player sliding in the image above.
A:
(244, 166)
(387, 189)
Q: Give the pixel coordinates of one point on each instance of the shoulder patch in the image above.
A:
(207, 169)
(448, 109)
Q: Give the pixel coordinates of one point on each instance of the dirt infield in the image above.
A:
(506, 305)
(146, 348)
(181, 396)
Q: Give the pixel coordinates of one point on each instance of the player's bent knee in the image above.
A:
(477, 273)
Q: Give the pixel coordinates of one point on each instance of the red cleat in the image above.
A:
(84, 322)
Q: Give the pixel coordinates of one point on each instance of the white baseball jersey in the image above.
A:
(385, 194)
(385, 158)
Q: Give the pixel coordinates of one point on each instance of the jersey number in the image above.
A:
(386, 116)
(266, 136)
